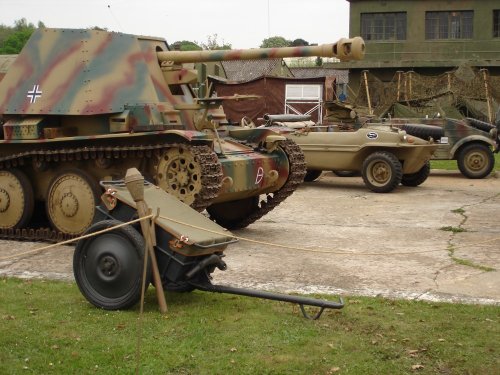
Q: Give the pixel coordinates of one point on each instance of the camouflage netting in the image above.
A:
(464, 92)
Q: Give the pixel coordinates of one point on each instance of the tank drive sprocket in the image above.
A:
(191, 173)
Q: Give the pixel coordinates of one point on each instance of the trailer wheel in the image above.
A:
(312, 175)
(382, 172)
(108, 267)
(475, 160)
(417, 178)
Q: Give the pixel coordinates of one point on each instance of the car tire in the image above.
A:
(312, 175)
(475, 160)
(417, 178)
(382, 172)
(345, 173)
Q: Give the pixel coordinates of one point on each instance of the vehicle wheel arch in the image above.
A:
(457, 147)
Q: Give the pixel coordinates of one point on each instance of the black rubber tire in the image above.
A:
(345, 173)
(417, 178)
(424, 131)
(312, 175)
(29, 198)
(108, 267)
(481, 125)
(374, 168)
(475, 160)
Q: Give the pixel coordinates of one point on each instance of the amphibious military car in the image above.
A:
(385, 157)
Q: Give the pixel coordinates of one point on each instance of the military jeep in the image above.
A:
(385, 157)
(471, 142)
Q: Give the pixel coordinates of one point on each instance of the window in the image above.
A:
(383, 26)
(496, 24)
(448, 25)
(303, 92)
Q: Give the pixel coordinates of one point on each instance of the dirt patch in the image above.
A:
(341, 238)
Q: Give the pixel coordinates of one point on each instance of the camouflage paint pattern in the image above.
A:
(457, 133)
(101, 102)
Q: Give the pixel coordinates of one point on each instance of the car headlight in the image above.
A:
(402, 135)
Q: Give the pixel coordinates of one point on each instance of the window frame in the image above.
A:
(384, 26)
(449, 25)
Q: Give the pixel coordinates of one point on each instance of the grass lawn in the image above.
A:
(49, 328)
(451, 165)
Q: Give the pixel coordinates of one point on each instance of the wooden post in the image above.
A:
(135, 185)
(409, 81)
(370, 111)
(488, 96)
(399, 84)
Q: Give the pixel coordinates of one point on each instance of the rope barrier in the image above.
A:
(318, 250)
(244, 239)
(40, 249)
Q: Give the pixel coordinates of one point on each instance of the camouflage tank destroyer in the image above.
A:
(81, 106)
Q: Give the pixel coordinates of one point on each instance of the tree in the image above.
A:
(13, 39)
(213, 44)
(299, 42)
(275, 42)
(186, 45)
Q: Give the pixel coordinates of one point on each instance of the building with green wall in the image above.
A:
(425, 36)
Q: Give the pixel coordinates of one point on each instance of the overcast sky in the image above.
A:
(243, 24)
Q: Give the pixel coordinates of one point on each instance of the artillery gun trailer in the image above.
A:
(81, 106)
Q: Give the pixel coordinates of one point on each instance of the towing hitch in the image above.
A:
(301, 301)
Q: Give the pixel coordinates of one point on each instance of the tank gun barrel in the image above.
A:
(344, 49)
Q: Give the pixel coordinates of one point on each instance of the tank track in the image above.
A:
(295, 178)
(211, 170)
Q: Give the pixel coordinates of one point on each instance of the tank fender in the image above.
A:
(272, 141)
(469, 139)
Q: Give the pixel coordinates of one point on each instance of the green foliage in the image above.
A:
(213, 44)
(275, 42)
(13, 39)
(48, 327)
(299, 42)
(186, 45)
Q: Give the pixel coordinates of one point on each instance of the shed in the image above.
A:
(277, 95)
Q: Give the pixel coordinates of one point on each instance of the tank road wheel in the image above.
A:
(312, 175)
(231, 214)
(382, 172)
(71, 201)
(16, 199)
(417, 178)
(192, 174)
(108, 267)
(475, 160)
